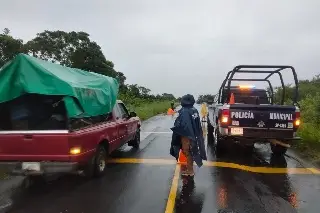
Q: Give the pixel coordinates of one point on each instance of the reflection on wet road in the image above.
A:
(148, 180)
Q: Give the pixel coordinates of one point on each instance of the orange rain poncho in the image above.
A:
(170, 111)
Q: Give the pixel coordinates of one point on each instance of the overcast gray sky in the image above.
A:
(182, 46)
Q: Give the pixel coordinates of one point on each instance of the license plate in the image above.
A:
(236, 131)
(31, 166)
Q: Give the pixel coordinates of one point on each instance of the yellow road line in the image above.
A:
(314, 171)
(144, 161)
(269, 170)
(173, 191)
(266, 170)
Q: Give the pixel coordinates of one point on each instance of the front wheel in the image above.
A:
(136, 141)
(278, 150)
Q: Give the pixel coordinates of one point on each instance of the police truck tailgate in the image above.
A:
(268, 121)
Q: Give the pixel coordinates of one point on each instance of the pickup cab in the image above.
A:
(84, 148)
(246, 115)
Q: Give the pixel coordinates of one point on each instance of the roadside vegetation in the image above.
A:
(205, 98)
(309, 101)
(75, 49)
(139, 100)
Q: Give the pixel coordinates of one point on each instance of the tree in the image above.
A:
(144, 91)
(6, 31)
(9, 47)
(72, 49)
(134, 90)
(205, 98)
(121, 78)
(168, 96)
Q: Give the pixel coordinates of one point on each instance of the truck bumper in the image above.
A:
(15, 168)
(259, 134)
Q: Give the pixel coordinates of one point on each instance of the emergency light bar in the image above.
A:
(246, 86)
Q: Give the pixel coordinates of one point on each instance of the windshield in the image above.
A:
(251, 97)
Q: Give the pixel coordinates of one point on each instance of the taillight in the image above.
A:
(297, 120)
(75, 151)
(225, 116)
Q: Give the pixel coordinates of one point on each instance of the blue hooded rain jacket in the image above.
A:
(188, 124)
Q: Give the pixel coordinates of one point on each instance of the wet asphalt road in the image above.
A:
(133, 185)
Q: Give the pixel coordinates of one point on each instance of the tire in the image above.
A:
(278, 161)
(278, 150)
(135, 143)
(37, 179)
(97, 166)
(249, 149)
(210, 138)
(219, 143)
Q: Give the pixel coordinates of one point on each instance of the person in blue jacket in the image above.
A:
(187, 135)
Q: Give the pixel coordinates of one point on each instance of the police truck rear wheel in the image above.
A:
(210, 137)
(278, 150)
(219, 143)
(249, 149)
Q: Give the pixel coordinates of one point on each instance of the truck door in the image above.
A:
(122, 125)
(129, 122)
(132, 123)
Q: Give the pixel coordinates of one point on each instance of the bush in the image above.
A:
(310, 117)
(309, 92)
(309, 129)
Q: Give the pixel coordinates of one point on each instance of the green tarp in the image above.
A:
(85, 93)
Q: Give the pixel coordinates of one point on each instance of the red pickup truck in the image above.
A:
(86, 149)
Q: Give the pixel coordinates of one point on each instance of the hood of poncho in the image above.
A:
(187, 100)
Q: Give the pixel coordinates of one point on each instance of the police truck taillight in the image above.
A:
(225, 116)
(297, 120)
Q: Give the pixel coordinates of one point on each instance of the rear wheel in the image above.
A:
(219, 142)
(33, 180)
(210, 138)
(278, 150)
(97, 165)
(249, 149)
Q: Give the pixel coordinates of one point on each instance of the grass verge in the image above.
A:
(147, 110)
(309, 146)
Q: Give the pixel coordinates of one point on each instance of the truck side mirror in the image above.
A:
(133, 114)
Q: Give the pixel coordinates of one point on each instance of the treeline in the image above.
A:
(205, 99)
(309, 102)
(75, 49)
